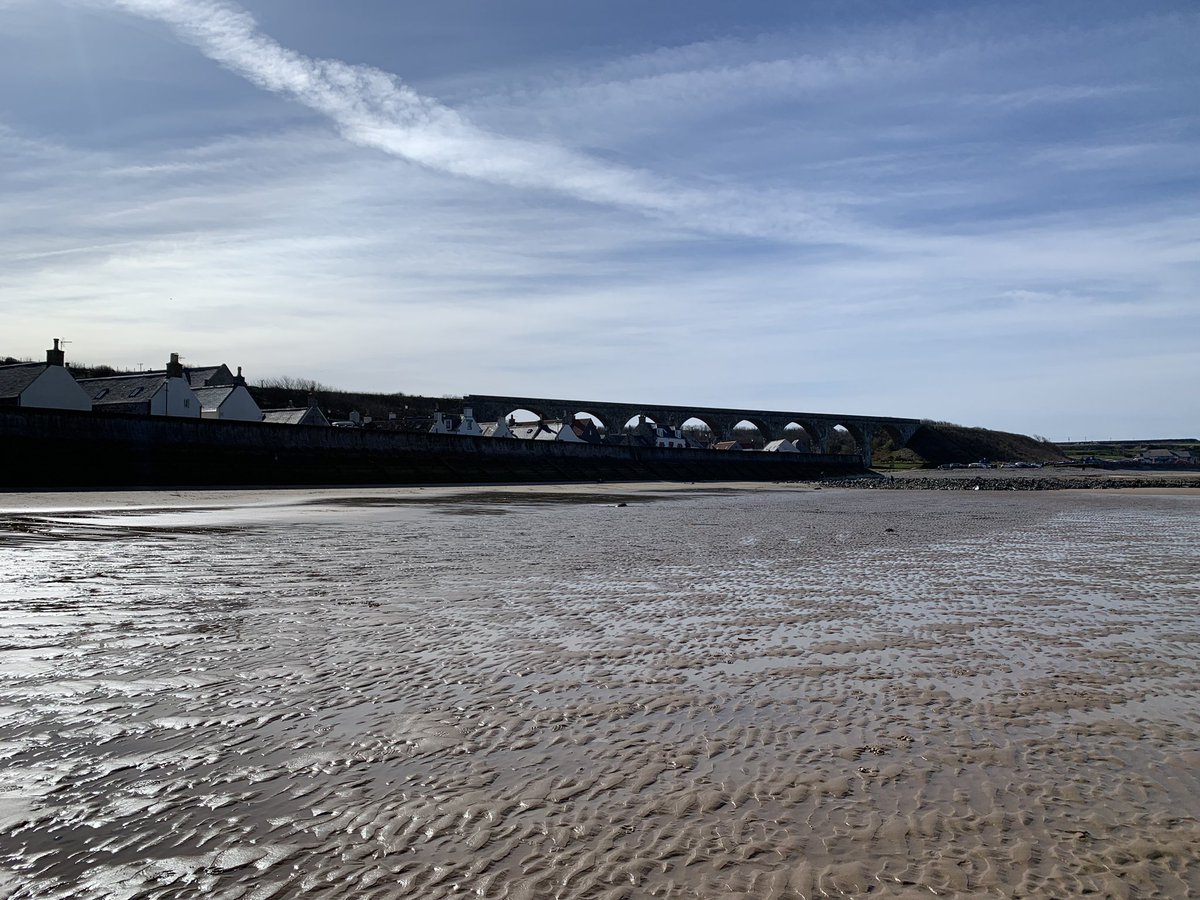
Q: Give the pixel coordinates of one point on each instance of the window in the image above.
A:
(187, 403)
(135, 392)
(101, 393)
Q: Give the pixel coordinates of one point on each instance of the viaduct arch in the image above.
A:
(721, 421)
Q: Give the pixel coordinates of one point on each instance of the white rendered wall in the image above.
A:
(56, 389)
(240, 407)
(175, 398)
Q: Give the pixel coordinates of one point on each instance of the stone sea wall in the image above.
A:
(52, 449)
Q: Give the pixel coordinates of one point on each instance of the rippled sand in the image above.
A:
(542, 693)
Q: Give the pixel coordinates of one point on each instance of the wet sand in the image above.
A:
(540, 692)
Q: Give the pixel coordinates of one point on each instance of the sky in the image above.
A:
(979, 212)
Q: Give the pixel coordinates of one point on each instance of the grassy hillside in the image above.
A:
(938, 443)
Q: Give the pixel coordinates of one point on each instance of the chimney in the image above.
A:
(238, 379)
(312, 398)
(174, 367)
(55, 357)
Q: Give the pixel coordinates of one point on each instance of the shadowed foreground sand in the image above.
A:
(779, 692)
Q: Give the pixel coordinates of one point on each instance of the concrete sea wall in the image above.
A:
(58, 449)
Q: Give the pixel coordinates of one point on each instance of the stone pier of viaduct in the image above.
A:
(720, 422)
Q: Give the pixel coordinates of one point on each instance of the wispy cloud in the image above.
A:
(376, 109)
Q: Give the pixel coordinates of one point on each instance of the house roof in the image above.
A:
(213, 397)
(208, 376)
(16, 378)
(532, 432)
(137, 388)
(1158, 452)
(293, 416)
(490, 429)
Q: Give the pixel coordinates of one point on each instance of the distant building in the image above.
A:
(296, 416)
(227, 401)
(650, 434)
(575, 431)
(780, 446)
(308, 415)
(47, 385)
(450, 424)
(541, 430)
(496, 429)
(1163, 456)
(670, 437)
(160, 393)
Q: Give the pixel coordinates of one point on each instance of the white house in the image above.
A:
(162, 393)
(783, 445)
(496, 429)
(45, 385)
(669, 437)
(231, 401)
(464, 424)
(651, 434)
(573, 431)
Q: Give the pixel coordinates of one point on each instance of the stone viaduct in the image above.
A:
(771, 423)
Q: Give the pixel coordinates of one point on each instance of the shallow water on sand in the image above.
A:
(773, 693)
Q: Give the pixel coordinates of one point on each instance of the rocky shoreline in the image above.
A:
(999, 482)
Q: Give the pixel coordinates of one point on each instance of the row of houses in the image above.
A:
(576, 431)
(215, 392)
(209, 392)
(584, 431)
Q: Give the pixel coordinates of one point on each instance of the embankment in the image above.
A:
(60, 449)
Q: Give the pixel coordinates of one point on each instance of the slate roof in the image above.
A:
(208, 376)
(292, 416)
(16, 378)
(303, 415)
(537, 431)
(489, 429)
(135, 389)
(213, 397)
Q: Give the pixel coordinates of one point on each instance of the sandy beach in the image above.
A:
(600, 691)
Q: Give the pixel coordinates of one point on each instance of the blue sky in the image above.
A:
(978, 212)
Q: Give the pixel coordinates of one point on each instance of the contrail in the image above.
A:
(373, 108)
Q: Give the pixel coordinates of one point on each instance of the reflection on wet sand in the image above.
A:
(770, 693)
